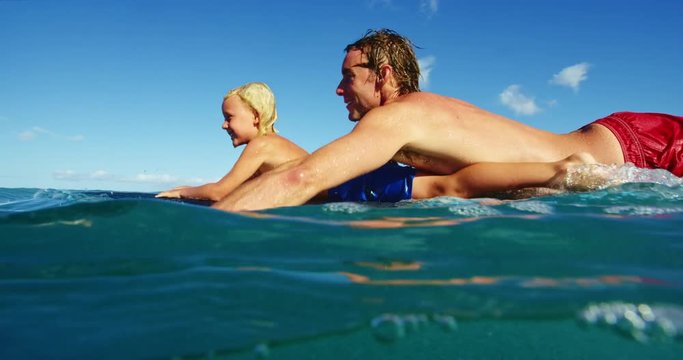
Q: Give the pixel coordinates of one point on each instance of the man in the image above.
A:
(440, 135)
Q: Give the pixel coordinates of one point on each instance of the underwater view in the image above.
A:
(112, 275)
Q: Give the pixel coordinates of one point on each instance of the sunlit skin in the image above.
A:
(240, 121)
(358, 87)
(437, 135)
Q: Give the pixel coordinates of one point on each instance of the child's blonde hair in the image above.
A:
(261, 100)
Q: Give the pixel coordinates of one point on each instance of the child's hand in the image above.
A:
(173, 193)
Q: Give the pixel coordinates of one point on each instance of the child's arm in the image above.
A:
(486, 178)
(254, 155)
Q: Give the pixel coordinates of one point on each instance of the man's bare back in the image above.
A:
(452, 134)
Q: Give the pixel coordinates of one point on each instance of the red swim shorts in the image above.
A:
(649, 140)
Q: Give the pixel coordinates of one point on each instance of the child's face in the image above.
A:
(240, 121)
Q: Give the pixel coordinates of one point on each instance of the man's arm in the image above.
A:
(373, 142)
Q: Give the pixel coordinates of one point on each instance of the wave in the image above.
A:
(111, 274)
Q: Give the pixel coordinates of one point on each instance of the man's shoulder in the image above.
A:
(425, 100)
(420, 95)
(419, 102)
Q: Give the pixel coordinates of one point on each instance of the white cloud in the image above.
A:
(154, 178)
(68, 175)
(101, 175)
(144, 178)
(36, 131)
(571, 76)
(27, 135)
(383, 3)
(163, 179)
(75, 137)
(426, 65)
(429, 7)
(32, 133)
(521, 104)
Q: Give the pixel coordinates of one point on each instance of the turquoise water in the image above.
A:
(96, 274)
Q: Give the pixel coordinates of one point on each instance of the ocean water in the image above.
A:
(574, 275)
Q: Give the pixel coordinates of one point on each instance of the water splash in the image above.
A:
(388, 327)
(437, 202)
(641, 322)
(34, 199)
(642, 210)
(598, 176)
(532, 206)
(345, 207)
(392, 327)
(474, 210)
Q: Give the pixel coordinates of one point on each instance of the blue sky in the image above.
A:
(126, 94)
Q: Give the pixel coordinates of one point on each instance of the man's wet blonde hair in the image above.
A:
(261, 100)
(386, 46)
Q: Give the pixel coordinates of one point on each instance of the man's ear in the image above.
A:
(386, 73)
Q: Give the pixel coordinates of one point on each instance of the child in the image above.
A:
(249, 113)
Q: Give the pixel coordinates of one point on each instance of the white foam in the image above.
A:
(642, 210)
(346, 207)
(437, 202)
(598, 176)
(473, 210)
(537, 207)
(643, 322)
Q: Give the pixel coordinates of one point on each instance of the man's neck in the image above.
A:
(389, 95)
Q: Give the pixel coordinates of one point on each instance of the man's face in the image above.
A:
(358, 85)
